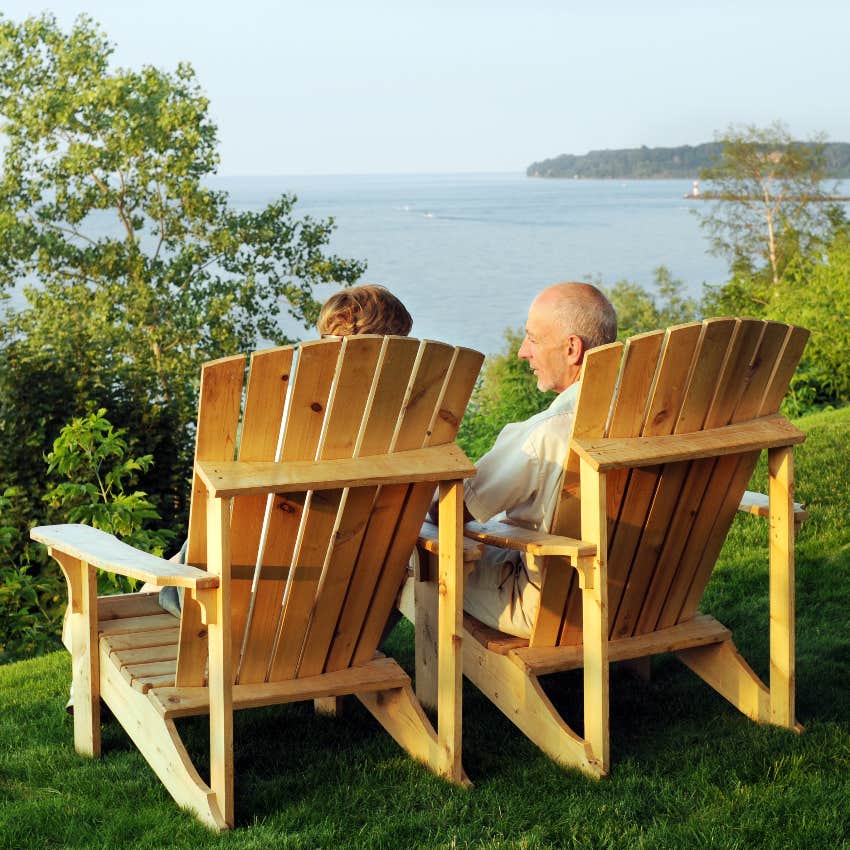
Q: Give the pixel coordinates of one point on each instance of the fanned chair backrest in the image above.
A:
(315, 574)
(666, 524)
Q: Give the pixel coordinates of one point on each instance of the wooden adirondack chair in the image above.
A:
(297, 550)
(667, 433)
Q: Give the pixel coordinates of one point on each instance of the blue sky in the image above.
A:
(378, 86)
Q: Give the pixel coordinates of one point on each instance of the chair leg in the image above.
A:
(520, 697)
(159, 742)
(724, 668)
(83, 642)
(400, 713)
(328, 706)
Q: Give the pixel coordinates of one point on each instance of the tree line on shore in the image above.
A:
(644, 163)
(99, 369)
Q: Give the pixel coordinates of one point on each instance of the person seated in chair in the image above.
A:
(366, 309)
(521, 474)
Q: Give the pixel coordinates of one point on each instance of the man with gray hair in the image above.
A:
(521, 474)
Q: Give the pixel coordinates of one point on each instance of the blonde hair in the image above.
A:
(367, 309)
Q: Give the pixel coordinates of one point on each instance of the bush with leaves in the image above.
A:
(91, 456)
(32, 590)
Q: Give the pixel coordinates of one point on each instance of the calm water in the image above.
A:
(466, 253)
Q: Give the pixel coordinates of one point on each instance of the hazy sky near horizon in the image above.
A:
(335, 87)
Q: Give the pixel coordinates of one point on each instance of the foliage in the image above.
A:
(769, 195)
(688, 770)
(91, 456)
(818, 297)
(136, 271)
(506, 392)
(32, 597)
(639, 310)
(684, 161)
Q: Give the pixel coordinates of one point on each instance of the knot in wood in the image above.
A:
(448, 416)
(315, 406)
(284, 376)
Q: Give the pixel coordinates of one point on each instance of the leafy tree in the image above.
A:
(769, 199)
(90, 455)
(137, 270)
(818, 298)
(639, 309)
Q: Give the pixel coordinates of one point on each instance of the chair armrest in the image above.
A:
(243, 478)
(527, 540)
(759, 504)
(429, 540)
(609, 453)
(106, 552)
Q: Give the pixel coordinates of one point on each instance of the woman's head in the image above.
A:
(368, 309)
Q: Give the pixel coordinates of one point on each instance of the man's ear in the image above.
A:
(575, 349)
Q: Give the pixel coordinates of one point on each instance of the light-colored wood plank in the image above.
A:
(521, 698)
(85, 658)
(218, 420)
(700, 631)
(347, 407)
(141, 640)
(265, 399)
(121, 605)
(107, 552)
(133, 625)
(699, 504)
(160, 745)
(767, 432)
(215, 439)
(432, 464)
(447, 402)
(557, 576)
(144, 655)
(492, 639)
(679, 485)
(507, 536)
(645, 514)
(594, 526)
(599, 378)
(758, 504)
(392, 377)
(721, 666)
(380, 674)
(220, 659)
(450, 625)
(429, 541)
(310, 388)
(379, 567)
(782, 588)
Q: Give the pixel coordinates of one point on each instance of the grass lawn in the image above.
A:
(687, 769)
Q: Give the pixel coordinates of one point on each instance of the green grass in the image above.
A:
(688, 770)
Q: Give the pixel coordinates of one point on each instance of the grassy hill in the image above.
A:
(688, 770)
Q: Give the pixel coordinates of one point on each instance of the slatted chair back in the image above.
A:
(666, 524)
(315, 574)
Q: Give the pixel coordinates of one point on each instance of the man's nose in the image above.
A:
(523, 351)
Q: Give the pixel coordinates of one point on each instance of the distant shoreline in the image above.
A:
(683, 162)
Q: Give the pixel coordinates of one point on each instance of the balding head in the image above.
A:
(581, 309)
(564, 321)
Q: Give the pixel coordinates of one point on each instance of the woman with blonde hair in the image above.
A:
(366, 309)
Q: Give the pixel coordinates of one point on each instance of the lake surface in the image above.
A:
(467, 252)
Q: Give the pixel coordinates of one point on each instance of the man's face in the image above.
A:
(549, 349)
